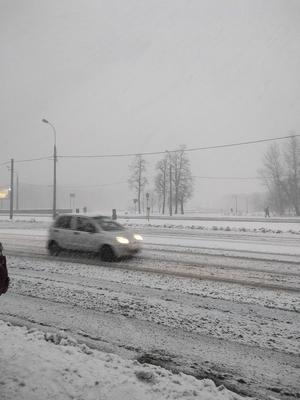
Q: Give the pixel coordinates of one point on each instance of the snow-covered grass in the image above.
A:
(27, 218)
(227, 226)
(37, 365)
(214, 224)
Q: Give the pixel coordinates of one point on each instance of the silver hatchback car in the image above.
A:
(96, 234)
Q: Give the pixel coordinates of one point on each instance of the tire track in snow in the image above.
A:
(163, 271)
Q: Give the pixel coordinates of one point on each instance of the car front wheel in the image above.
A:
(107, 253)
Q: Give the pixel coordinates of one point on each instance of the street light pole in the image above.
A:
(54, 167)
(11, 207)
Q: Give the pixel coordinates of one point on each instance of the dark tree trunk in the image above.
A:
(181, 206)
(139, 201)
(176, 200)
(164, 194)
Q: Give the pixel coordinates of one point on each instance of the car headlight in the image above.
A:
(137, 237)
(122, 240)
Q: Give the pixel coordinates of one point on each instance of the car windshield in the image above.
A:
(108, 224)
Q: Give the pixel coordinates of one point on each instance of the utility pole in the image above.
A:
(11, 208)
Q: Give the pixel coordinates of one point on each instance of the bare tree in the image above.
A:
(153, 200)
(292, 162)
(161, 181)
(170, 185)
(182, 178)
(173, 181)
(281, 175)
(138, 180)
(272, 175)
(186, 185)
(178, 160)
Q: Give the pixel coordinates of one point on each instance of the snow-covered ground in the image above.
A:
(154, 297)
(214, 303)
(41, 366)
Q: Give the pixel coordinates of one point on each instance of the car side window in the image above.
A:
(89, 227)
(84, 225)
(64, 222)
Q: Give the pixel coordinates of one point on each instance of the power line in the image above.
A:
(93, 186)
(27, 160)
(5, 163)
(235, 144)
(186, 150)
(246, 178)
(73, 186)
(241, 143)
(35, 159)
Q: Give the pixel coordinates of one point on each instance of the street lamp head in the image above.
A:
(44, 120)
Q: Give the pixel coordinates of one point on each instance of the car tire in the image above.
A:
(54, 248)
(107, 253)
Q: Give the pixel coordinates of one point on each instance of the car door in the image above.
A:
(85, 235)
(62, 233)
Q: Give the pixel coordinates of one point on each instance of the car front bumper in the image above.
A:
(127, 249)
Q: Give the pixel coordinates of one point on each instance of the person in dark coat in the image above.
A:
(4, 279)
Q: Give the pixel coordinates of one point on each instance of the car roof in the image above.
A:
(82, 215)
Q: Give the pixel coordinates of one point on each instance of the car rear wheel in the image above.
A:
(54, 249)
(107, 253)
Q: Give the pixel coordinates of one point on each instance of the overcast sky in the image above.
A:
(145, 75)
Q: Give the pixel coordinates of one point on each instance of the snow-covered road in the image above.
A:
(224, 306)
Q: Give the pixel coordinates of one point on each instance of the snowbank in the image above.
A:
(35, 365)
(213, 225)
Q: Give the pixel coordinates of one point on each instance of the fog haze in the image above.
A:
(118, 77)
